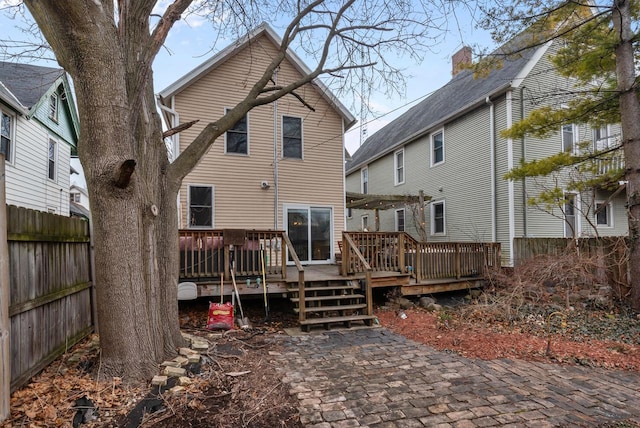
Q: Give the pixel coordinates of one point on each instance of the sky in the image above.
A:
(190, 43)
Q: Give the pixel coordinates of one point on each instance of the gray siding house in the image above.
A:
(449, 145)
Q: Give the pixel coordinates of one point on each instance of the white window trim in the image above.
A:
(362, 170)
(431, 137)
(282, 136)
(213, 206)
(432, 218)
(609, 205)
(578, 213)
(364, 218)
(13, 119)
(226, 110)
(55, 159)
(574, 146)
(404, 222)
(396, 167)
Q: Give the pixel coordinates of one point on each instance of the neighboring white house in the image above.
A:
(39, 132)
(79, 201)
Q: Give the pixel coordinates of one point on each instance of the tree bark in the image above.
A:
(135, 219)
(630, 121)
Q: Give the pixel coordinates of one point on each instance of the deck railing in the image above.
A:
(399, 252)
(205, 255)
(357, 262)
(301, 292)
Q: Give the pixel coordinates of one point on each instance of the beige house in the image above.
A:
(281, 167)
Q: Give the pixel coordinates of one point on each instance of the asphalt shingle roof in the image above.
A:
(462, 92)
(26, 82)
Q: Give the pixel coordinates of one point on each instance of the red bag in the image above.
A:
(220, 316)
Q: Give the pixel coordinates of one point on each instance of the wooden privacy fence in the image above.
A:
(50, 288)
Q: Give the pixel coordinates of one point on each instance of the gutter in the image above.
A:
(14, 103)
(435, 125)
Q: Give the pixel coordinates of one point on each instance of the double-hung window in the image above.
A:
(437, 218)
(602, 138)
(398, 161)
(236, 140)
(53, 155)
(437, 148)
(568, 144)
(291, 137)
(603, 214)
(200, 206)
(6, 135)
(400, 220)
(364, 175)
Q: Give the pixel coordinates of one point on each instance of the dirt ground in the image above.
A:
(237, 384)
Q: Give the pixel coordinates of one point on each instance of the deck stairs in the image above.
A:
(331, 302)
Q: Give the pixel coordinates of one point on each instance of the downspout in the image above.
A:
(511, 185)
(275, 155)
(524, 157)
(492, 154)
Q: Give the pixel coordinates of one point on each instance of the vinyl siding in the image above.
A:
(316, 180)
(63, 129)
(27, 181)
(463, 181)
(467, 196)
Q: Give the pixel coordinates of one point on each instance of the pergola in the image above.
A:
(365, 201)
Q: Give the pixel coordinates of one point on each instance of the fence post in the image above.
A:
(5, 352)
(457, 260)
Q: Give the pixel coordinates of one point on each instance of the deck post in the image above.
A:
(227, 263)
(345, 256)
(401, 255)
(457, 260)
(368, 292)
(301, 297)
(417, 269)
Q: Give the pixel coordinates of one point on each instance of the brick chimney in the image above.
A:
(460, 60)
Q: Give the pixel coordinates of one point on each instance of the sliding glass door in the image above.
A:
(310, 230)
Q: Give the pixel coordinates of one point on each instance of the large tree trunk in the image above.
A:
(630, 120)
(135, 215)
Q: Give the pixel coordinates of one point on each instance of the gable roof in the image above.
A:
(463, 93)
(23, 85)
(228, 52)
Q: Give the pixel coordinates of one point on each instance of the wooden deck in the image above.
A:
(210, 261)
(276, 285)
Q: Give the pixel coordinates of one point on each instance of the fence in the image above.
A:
(50, 288)
(611, 252)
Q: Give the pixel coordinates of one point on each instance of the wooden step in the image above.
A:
(345, 320)
(325, 298)
(333, 308)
